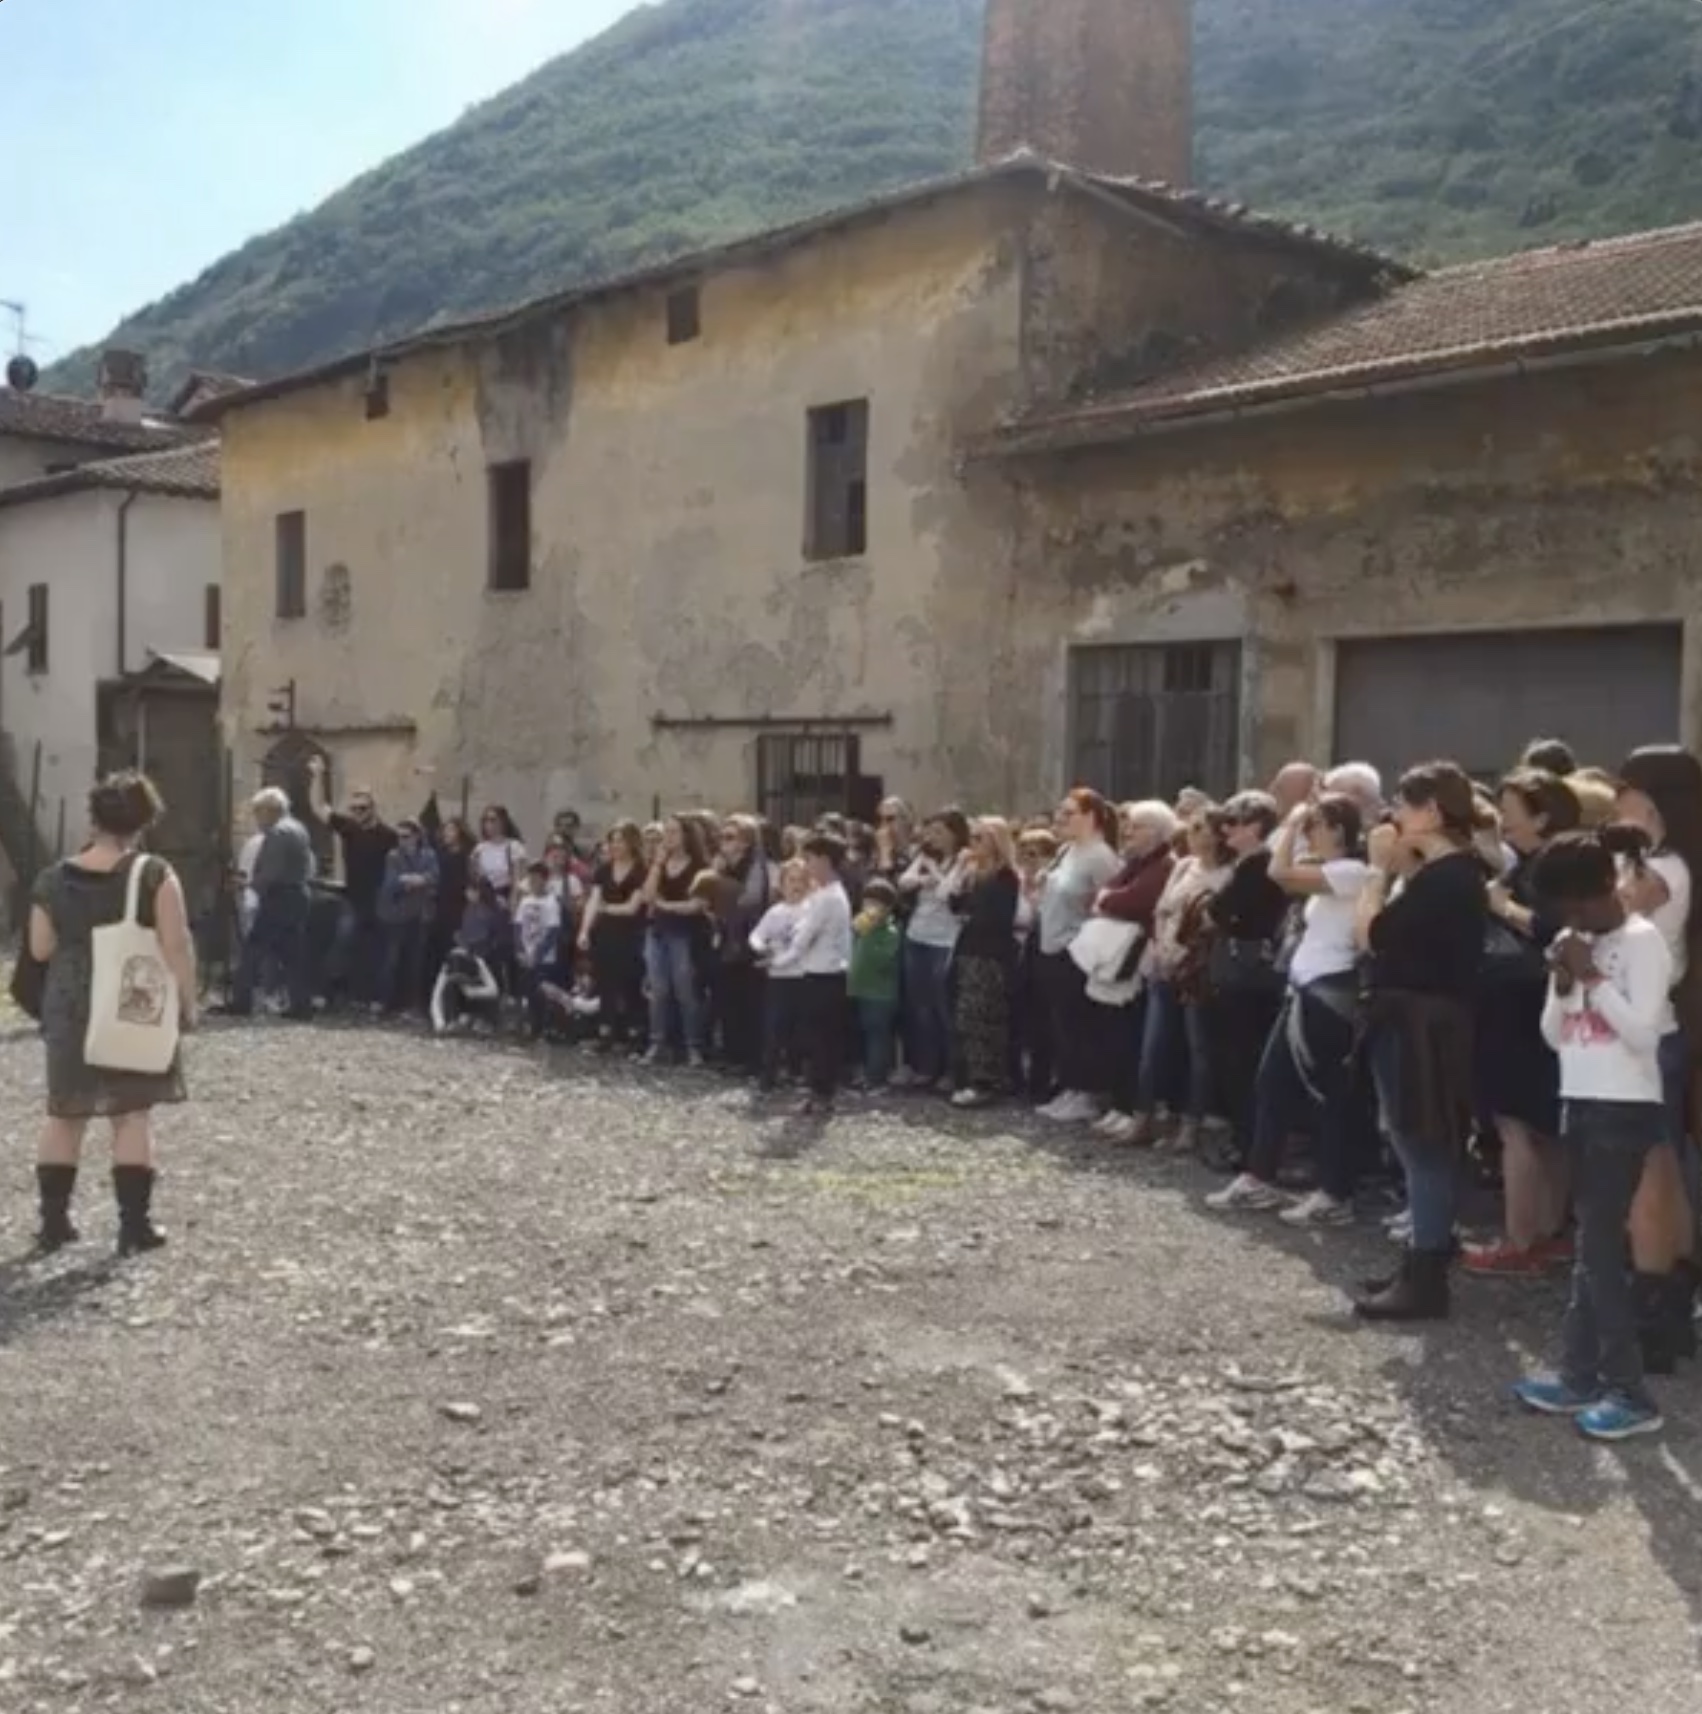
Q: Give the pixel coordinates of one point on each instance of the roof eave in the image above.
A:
(1081, 431)
(1142, 202)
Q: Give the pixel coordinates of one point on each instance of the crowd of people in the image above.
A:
(1318, 986)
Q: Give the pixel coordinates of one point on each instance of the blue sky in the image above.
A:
(142, 139)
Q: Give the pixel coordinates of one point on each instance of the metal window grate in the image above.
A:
(1149, 719)
(800, 777)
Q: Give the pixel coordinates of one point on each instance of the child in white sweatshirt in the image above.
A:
(1608, 1007)
(770, 941)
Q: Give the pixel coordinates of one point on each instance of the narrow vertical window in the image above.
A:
(685, 315)
(837, 516)
(212, 621)
(511, 525)
(291, 532)
(35, 659)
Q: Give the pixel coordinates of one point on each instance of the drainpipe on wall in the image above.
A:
(124, 506)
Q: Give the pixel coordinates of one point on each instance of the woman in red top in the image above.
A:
(1149, 855)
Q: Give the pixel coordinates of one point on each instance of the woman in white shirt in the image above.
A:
(1306, 1075)
(1660, 794)
(938, 870)
(1086, 866)
(499, 857)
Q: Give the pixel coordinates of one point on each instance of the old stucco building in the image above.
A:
(1051, 471)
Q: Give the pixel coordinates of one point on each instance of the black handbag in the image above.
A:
(1509, 956)
(29, 983)
(1243, 967)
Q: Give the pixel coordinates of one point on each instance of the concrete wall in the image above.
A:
(69, 542)
(1572, 498)
(1113, 299)
(668, 512)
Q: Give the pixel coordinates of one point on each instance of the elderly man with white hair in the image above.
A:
(281, 878)
(1361, 782)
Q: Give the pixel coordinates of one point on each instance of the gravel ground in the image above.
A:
(478, 1380)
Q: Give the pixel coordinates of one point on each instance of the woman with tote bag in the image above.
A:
(111, 928)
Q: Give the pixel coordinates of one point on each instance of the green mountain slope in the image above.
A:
(1439, 128)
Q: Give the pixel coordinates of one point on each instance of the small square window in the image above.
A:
(685, 315)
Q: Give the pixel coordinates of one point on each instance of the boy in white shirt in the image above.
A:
(1608, 1007)
(820, 953)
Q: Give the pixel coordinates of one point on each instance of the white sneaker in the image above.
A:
(1119, 1128)
(1400, 1227)
(1108, 1122)
(1055, 1106)
(1246, 1194)
(1318, 1209)
(1073, 1107)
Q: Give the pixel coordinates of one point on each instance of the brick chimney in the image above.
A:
(1103, 85)
(122, 383)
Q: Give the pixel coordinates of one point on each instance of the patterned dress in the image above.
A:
(78, 901)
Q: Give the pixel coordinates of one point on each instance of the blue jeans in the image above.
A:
(927, 1010)
(1171, 1031)
(404, 964)
(1607, 1144)
(671, 969)
(357, 954)
(877, 1022)
(1306, 1083)
(1432, 1173)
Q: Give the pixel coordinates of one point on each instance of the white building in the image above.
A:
(109, 590)
(47, 434)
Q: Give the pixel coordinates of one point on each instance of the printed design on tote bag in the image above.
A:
(142, 992)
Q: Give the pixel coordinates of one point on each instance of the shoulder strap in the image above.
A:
(133, 888)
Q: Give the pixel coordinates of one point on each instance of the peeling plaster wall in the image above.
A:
(1572, 498)
(668, 518)
(1111, 299)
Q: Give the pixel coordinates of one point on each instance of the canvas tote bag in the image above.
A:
(133, 1000)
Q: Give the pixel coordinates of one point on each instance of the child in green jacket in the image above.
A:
(873, 983)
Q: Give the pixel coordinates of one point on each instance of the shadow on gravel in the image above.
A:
(31, 1296)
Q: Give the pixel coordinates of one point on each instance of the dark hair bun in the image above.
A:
(124, 805)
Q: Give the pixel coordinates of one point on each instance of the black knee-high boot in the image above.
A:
(1681, 1308)
(55, 1185)
(133, 1187)
(1651, 1296)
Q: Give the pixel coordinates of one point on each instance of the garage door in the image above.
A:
(1478, 699)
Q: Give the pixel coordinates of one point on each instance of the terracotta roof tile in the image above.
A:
(1577, 296)
(52, 416)
(186, 472)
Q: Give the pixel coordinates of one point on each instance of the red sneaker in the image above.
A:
(1505, 1260)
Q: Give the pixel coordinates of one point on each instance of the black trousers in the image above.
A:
(821, 1001)
(738, 1007)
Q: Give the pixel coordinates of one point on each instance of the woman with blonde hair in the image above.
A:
(984, 963)
(1597, 792)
